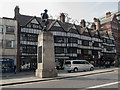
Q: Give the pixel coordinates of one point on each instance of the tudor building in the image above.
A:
(70, 41)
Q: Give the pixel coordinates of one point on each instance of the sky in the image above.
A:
(75, 9)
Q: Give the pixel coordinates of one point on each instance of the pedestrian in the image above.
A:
(34, 68)
(14, 69)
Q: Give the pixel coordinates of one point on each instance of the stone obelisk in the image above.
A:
(45, 54)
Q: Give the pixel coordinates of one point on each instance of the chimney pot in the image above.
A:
(98, 25)
(108, 14)
(83, 23)
(95, 19)
(62, 17)
(16, 11)
(93, 26)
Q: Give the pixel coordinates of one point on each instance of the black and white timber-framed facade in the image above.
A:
(70, 41)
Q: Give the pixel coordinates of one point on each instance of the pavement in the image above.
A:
(28, 77)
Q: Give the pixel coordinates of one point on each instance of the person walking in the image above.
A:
(14, 69)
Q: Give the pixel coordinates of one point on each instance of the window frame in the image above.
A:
(13, 27)
(1, 31)
(11, 44)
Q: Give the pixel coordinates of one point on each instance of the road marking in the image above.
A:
(28, 83)
(55, 80)
(98, 74)
(103, 85)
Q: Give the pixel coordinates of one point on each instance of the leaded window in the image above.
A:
(59, 39)
(73, 40)
(85, 43)
(59, 50)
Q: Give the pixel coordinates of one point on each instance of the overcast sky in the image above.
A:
(76, 9)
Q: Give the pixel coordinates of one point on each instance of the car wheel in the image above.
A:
(69, 71)
(91, 69)
(75, 69)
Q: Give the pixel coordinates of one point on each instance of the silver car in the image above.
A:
(78, 65)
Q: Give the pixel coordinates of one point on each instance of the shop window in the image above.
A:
(84, 52)
(10, 29)
(94, 52)
(10, 44)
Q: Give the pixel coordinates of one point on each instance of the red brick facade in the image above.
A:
(112, 25)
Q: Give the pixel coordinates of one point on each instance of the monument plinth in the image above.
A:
(46, 57)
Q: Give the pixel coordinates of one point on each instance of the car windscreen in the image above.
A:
(67, 62)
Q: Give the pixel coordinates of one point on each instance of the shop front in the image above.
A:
(6, 65)
(60, 62)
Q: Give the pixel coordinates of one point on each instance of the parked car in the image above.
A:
(78, 65)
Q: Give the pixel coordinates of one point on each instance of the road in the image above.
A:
(103, 80)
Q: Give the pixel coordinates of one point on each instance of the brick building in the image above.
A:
(111, 23)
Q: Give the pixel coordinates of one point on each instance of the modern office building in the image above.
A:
(8, 44)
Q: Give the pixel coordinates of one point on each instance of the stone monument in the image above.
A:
(45, 55)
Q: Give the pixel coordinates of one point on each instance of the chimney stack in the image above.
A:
(98, 25)
(95, 20)
(108, 14)
(62, 17)
(93, 26)
(83, 23)
(16, 11)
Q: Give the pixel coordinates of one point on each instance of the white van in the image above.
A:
(78, 65)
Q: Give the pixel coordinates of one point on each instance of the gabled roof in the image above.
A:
(34, 17)
(52, 23)
(42, 23)
(66, 26)
(104, 34)
(73, 28)
(101, 33)
(92, 32)
(83, 29)
(23, 19)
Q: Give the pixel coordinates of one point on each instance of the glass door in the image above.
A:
(7, 66)
(4, 66)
